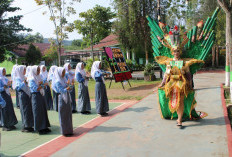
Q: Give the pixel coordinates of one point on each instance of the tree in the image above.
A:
(96, 24)
(132, 25)
(226, 5)
(77, 42)
(50, 55)
(9, 29)
(37, 38)
(59, 11)
(33, 55)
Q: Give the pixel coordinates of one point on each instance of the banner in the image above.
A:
(117, 64)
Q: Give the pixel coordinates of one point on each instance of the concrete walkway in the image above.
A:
(140, 132)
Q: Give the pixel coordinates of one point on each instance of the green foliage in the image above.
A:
(149, 69)
(51, 54)
(33, 55)
(90, 63)
(37, 38)
(77, 42)
(59, 11)
(9, 29)
(96, 24)
(132, 26)
(105, 65)
(129, 63)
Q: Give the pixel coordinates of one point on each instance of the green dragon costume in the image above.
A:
(194, 48)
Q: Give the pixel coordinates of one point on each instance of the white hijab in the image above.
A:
(44, 74)
(52, 76)
(19, 75)
(80, 70)
(4, 80)
(33, 76)
(28, 71)
(95, 68)
(51, 72)
(19, 72)
(13, 76)
(58, 75)
(70, 76)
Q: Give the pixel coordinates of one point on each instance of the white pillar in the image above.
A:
(128, 55)
(133, 57)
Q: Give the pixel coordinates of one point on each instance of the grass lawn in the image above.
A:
(138, 90)
(14, 143)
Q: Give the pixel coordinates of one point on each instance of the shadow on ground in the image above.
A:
(207, 88)
(213, 121)
(143, 87)
(138, 109)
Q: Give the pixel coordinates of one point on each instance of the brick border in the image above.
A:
(227, 121)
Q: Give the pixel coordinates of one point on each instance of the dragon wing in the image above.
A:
(200, 40)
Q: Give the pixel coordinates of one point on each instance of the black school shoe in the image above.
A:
(74, 111)
(68, 135)
(6, 129)
(104, 114)
(27, 130)
(88, 112)
(12, 127)
(47, 130)
(85, 112)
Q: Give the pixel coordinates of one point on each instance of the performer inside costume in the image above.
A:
(180, 59)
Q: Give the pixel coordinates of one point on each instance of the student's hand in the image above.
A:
(38, 89)
(68, 88)
(9, 83)
(68, 82)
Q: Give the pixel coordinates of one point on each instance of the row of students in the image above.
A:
(34, 95)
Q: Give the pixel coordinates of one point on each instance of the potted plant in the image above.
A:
(149, 72)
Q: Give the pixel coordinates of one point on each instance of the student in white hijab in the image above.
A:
(14, 84)
(8, 118)
(102, 104)
(84, 105)
(51, 78)
(40, 116)
(47, 95)
(70, 79)
(64, 102)
(2, 105)
(28, 71)
(24, 99)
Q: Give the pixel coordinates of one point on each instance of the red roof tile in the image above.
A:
(22, 49)
(111, 40)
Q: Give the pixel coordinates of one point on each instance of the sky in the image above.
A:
(33, 16)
